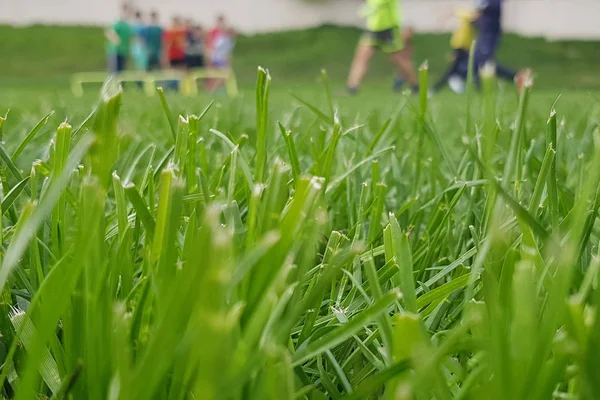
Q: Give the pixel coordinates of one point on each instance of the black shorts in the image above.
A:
(194, 61)
(117, 63)
(389, 40)
(178, 63)
(153, 62)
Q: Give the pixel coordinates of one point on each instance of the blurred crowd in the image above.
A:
(182, 45)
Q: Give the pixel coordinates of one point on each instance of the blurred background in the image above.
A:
(45, 41)
(552, 19)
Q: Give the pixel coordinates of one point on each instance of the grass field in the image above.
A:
(47, 56)
(300, 245)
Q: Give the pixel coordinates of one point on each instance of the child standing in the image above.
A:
(153, 36)
(224, 44)
(174, 44)
(223, 49)
(219, 29)
(175, 39)
(139, 51)
(194, 52)
(118, 37)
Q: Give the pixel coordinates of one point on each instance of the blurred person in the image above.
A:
(407, 37)
(154, 44)
(195, 49)
(221, 56)
(218, 29)
(118, 37)
(382, 32)
(189, 26)
(174, 43)
(224, 44)
(139, 51)
(489, 24)
(461, 42)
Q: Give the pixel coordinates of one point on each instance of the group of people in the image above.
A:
(182, 45)
(185, 45)
(384, 32)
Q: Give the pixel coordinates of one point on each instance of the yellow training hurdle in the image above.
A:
(188, 80)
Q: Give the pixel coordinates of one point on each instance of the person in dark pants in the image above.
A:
(195, 49)
(461, 41)
(174, 43)
(153, 38)
(489, 25)
(118, 37)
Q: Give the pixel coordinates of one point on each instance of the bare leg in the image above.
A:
(402, 62)
(360, 64)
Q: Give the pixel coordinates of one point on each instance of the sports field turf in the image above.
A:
(300, 245)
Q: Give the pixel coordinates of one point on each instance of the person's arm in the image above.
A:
(166, 46)
(111, 36)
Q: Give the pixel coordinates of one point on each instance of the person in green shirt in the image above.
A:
(382, 32)
(118, 38)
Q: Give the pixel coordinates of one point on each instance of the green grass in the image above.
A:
(47, 56)
(300, 247)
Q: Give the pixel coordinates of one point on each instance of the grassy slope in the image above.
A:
(44, 55)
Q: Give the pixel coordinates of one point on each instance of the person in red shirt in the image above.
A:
(174, 41)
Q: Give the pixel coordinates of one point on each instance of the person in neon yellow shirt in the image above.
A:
(382, 32)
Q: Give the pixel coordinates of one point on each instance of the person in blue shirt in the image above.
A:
(139, 51)
(489, 26)
(153, 38)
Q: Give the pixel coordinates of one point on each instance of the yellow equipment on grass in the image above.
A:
(188, 80)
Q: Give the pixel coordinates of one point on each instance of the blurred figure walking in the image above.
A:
(383, 32)
(489, 25)
(461, 42)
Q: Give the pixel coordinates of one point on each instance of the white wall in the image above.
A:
(555, 19)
